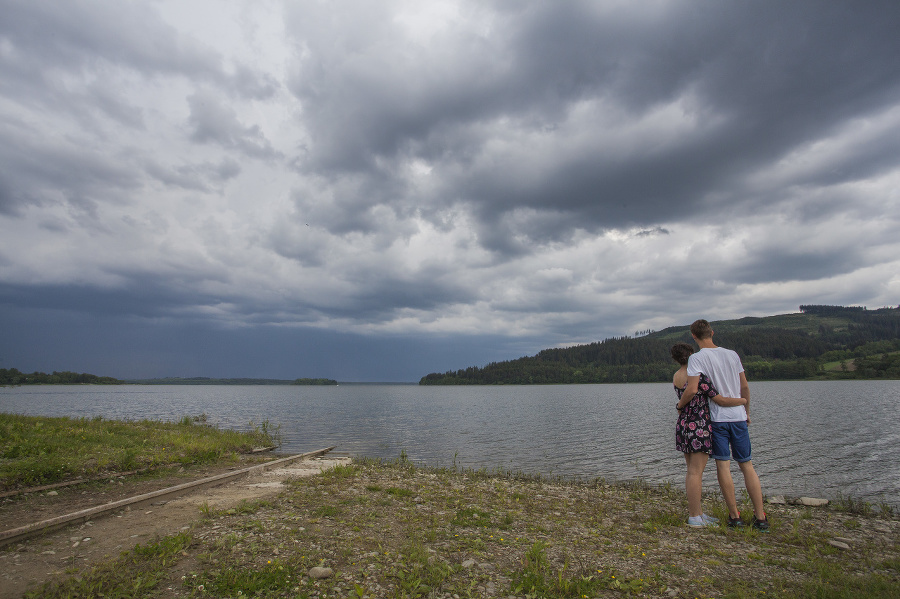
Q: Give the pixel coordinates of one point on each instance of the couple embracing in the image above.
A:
(713, 414)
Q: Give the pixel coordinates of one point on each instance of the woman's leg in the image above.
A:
(693, 481)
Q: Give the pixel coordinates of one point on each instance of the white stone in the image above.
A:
(843, 540)
(777, 500)
(838, 544)
(468, 563)
(813, 501)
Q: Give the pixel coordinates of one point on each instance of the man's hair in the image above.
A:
(681, 352)
(701, 329)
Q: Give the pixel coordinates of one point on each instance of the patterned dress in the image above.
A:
(693, 431)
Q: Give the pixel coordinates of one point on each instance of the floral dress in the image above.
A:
(693, 431)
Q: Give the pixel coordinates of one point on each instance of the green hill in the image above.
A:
(819, 342)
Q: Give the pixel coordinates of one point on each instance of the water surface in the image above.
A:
(831, 439)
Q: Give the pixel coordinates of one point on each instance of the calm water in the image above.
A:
(809, 438)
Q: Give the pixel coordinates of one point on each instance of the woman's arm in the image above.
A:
(729, 402)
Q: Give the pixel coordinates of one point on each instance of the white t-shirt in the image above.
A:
(723, 367)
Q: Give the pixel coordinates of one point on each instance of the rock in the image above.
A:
(468, 563)
(843, 540)
(320, 573)
(813, 501)
(838, 544)
(52, 493)
(777, 500)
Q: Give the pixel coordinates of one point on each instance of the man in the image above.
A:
(730, 432)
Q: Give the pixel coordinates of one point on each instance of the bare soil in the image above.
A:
(26, 565)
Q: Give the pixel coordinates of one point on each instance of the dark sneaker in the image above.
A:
(735, 522)
(761, 525)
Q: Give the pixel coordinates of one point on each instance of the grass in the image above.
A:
(136, 574)
(391, 529)
(42, 450)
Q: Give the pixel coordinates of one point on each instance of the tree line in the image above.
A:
(822, 342)
(12, 376)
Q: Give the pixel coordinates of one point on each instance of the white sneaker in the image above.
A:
(698, 522)
(709, 519)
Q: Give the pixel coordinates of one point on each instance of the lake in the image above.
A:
(823, 438)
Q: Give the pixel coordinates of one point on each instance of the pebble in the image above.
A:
(777, 500)
(843, 540)
(838, 544)
(52, 493)
(468, 563)
(320, 573)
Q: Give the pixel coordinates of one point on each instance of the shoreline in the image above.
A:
(388, 528)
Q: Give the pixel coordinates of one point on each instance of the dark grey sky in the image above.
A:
(378, 190)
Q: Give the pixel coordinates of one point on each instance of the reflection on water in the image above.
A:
(809, 438)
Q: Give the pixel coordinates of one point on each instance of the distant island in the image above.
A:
(13, 377)
(202, 380)
(818, 343)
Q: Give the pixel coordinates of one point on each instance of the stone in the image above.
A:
(320, 573)
(838, 544)
(468, 563)
(777, 500)
(52, 493)
(813, 501)
(843, 540)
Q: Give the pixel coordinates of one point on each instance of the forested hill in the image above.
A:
(819, 342)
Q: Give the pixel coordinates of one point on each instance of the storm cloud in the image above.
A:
(406, 177)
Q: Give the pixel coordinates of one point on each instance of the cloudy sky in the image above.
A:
(372, 191)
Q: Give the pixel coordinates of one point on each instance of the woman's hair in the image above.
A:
(681, 352)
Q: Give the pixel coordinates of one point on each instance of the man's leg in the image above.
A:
(740, 446)
(726, 485)
(754, 489)
(721, 453)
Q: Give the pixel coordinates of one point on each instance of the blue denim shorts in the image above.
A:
(733, 434)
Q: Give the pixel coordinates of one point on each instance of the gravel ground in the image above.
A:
(379, 529)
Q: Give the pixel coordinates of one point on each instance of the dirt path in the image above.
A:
(26, 565)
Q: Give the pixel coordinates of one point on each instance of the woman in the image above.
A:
(693, 431)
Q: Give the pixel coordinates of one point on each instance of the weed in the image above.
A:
(398, 492)
(852, 505)
(471, 518)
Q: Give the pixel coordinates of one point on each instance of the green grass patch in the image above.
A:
(137, 573)
(538, 578)
(37, 450)
(472, 518)
(235, 580)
